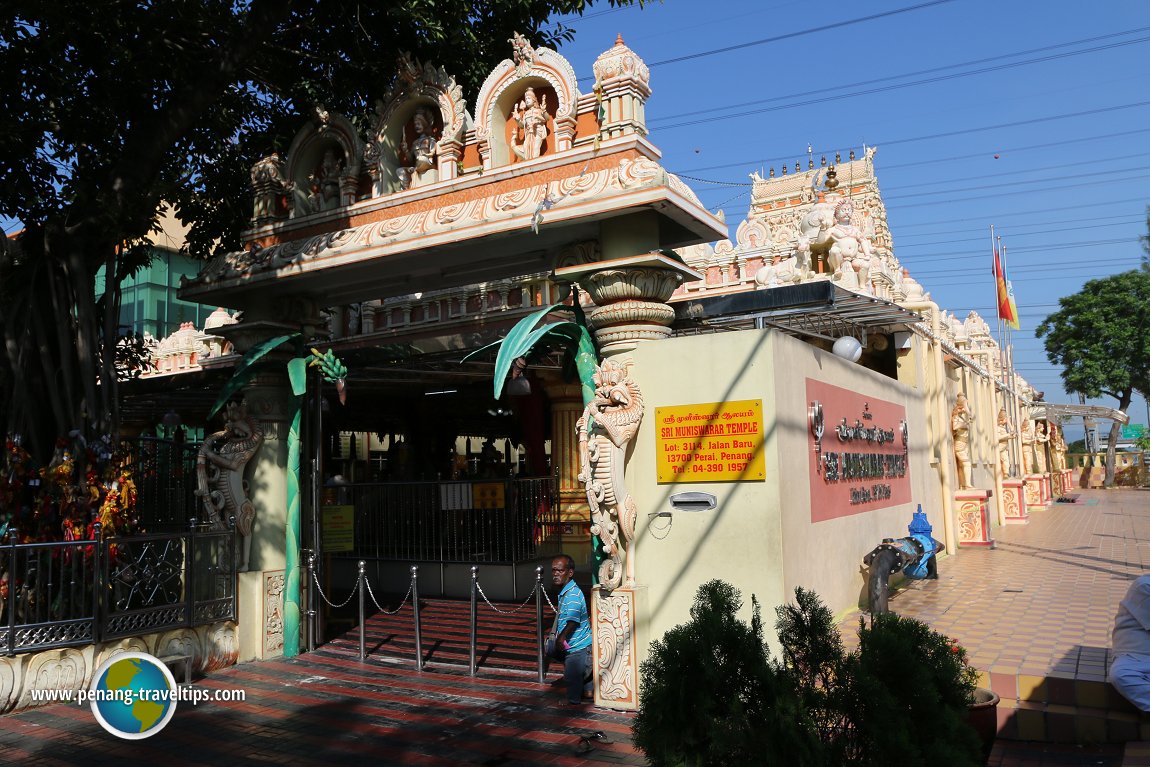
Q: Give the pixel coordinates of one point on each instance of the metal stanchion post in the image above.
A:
(415, 609)
(474, 589)
(539, 619)
(362, 619)
(311, 611)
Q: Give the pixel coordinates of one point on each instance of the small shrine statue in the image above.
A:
(1041, 440)
(607, 426)
(418, 161)
(1004, 431)
(325, 183)
(220, 476)
(531, 121)
(960, 418)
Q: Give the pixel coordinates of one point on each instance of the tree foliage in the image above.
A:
(113, 107)
(1100, 337)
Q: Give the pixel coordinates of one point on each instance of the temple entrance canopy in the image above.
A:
(436, 198)
(537, 176)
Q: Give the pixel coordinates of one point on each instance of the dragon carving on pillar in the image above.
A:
(220, 475)
(607, 426)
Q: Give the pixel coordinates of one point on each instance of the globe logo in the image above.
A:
(133, 695)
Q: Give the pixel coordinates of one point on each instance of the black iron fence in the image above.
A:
(502, 521)
(69, 593)
(164, 471)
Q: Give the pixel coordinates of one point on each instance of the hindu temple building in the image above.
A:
(745, 437)
(763, 407)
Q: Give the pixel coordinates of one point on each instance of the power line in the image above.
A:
(872, 91)
(903, 246)
(933, 161)
(1013, 229)
(1001, 194)
(657, 121)
(800, 33)
(1023, 182)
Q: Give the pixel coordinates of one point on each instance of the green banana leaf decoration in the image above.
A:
(576, 340)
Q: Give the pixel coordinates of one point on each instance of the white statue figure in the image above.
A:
(418, 165)
(960, 428)
(608, 424)
(220, 475)
(793, 269)
(1005, 433)
(522, 52)
(325, 182)
(531, 120)
(1041, 439)
(1028, 446)
(849, 256)
(1057, 447)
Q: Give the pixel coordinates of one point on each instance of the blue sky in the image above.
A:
(1063, 178)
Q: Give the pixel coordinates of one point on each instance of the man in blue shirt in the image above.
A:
(572, 642)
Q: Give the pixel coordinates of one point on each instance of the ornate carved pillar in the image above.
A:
(630, 297)
(268, 594)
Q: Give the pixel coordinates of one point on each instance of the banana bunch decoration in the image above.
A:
(332, 369)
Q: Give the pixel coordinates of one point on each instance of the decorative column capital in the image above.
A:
(630, 296)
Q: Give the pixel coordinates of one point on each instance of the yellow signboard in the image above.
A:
(338, 529)
(487, 495)
(711, 442)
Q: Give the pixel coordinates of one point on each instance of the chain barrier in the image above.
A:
(505, 612)
(553, 608)
(323, 596)
(371, 594)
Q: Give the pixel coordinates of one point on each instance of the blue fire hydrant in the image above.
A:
(913, 556)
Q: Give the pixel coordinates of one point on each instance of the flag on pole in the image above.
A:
(1006, 310)
(1009, 292)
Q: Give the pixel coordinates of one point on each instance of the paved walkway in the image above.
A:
(1039, 604)
(1042, 602)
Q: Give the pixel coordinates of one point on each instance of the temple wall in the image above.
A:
(210, 647)
(763, 536)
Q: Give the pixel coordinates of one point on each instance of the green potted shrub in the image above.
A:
(710, 693)
(904, 691)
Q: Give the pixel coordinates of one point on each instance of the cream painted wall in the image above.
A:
(740, 541)
(760, 538)
(826, 557)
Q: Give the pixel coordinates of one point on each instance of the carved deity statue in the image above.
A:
(418, 161)
(960, 427)
(1057, 448)
(325, 182)
(1027, 446)
(522, 52)
(793, 269)
(1004, 431)
(608, 424)
(531, 121)
(268, 186)
(220, 475)
(850, 253)
(1041, 440)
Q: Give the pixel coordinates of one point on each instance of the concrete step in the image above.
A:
(1063, 709)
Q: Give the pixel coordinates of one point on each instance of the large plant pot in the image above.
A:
(982, 715)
